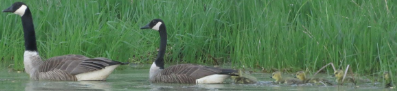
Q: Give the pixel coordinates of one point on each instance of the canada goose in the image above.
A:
(67, 67)
(182, 73)
(301, 75)
(243, 78)
(339, 76)
(388, 82)
(279, 79)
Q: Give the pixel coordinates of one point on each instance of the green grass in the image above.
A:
(262, 34)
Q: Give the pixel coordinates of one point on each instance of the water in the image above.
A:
(135, 78)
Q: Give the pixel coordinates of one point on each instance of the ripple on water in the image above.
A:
(136, 79)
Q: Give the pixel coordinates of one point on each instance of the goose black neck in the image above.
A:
(28, 29)
(163, 43)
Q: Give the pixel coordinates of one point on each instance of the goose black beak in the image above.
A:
(8, 9)
(146, 27)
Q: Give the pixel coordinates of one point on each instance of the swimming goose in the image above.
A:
(301, 75)
(338, 74)
(243, 77)
(67, 67)
(182, 73)
(388, 82)
(279, 79)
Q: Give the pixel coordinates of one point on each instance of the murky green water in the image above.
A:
(135, 78)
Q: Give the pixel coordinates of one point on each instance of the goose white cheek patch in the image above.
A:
(157, 26)
(21, 10)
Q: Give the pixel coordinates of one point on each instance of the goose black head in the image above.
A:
(155, 24)
(17, 8)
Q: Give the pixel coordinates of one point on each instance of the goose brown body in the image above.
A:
(68, 66)
(188, 73)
